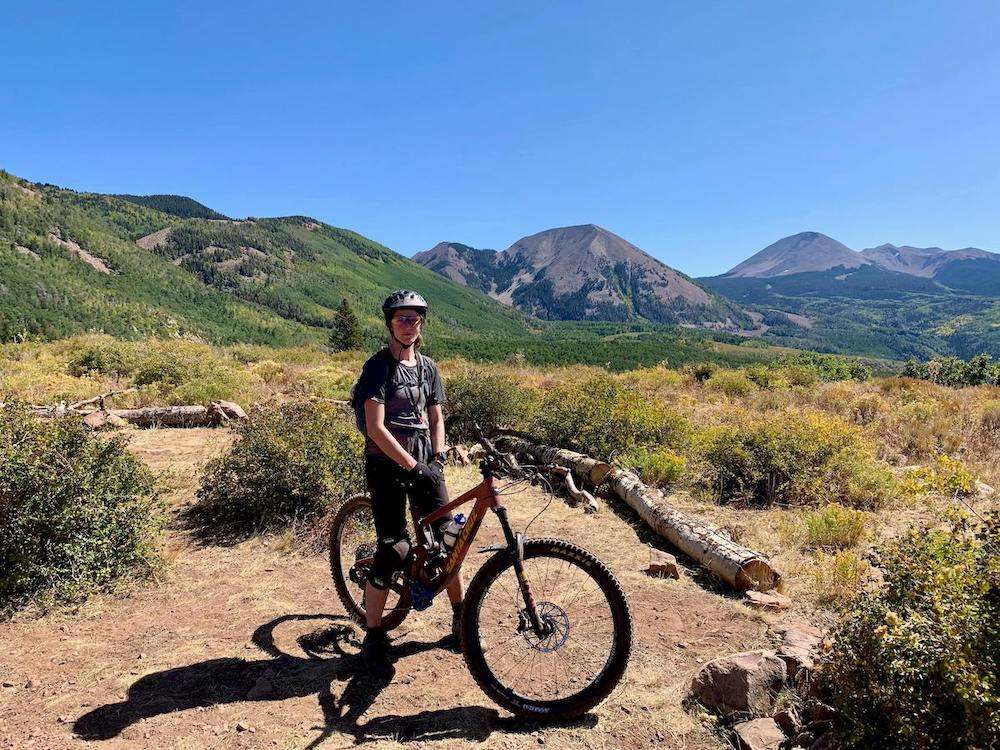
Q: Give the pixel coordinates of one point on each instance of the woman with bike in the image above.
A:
(398, 400)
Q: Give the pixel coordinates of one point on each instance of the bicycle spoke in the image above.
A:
(577, 647)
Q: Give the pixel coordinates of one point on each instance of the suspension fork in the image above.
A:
(515, 548)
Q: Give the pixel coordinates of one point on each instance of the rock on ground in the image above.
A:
(746, 682)
(759, 734)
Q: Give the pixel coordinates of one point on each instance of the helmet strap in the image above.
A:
(402, 347)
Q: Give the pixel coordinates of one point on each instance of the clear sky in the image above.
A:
(700, 131)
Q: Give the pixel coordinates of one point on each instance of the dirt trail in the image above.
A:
(247, 647)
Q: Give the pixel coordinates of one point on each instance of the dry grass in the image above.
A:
(909, 422)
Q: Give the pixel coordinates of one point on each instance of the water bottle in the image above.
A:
(451, 531)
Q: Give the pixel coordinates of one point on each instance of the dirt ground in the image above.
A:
(246, 646)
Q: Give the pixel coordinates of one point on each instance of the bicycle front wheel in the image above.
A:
(581, 653)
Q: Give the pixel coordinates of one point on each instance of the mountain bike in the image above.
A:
(546, 630)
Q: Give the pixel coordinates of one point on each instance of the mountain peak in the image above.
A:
(798, 253)
(581, 272)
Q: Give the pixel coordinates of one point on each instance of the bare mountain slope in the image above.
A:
(582, 272)
(805, 251)
(921, 261)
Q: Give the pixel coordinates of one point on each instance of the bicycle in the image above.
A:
(528, 645)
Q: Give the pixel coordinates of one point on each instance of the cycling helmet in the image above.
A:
(403, 298)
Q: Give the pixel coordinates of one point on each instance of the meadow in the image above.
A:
(863, 490)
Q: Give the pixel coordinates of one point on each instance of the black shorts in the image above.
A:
(388, 484)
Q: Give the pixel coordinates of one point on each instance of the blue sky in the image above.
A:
(699, 131)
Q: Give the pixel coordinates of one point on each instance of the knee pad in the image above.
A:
(390, 556)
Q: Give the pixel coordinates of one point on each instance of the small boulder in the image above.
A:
(96, 419)
(789, 721)
(800, 646)
(231, 410)
(772, 601)
(759, 734)
(662, 564)
(460, 455)
(746, 682)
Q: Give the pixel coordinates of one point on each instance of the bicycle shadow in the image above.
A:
(331, 657)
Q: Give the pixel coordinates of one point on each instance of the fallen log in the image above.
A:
(709, 546)
(584, 467)
(98, 400)
(579, 496)
(739, 566)
(168, 416)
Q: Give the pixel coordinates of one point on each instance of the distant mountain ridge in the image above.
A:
(893, 300)
(583, 272)
(813, 251)
(921, 261)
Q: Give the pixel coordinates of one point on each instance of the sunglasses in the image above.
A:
(407, 320)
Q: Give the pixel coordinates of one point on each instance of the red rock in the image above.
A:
(662, 564)
(747, 682)
(760, 600)
(759, 734)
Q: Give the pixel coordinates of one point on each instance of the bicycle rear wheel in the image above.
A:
(352, 543)
(583, 652)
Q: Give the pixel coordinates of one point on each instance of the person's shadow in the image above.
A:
(331, 656)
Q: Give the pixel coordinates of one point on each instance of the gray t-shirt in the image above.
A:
(406, 392)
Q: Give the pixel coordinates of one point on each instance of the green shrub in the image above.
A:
(916, 662)
(796, 458)
(659, 467)
(834, 527)
(600, 418)
(190, 373)
(800, 375)
(287, 464)
(731, 382)
(327, 382)
(947, 476)
(106, 357)
(78, 513)
(838, 577)
(494, 400)
(762, 376)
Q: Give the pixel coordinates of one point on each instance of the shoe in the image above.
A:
(375, 651)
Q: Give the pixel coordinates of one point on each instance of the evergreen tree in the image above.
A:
(346, 332)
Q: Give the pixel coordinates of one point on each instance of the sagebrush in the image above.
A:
(287, 464)
(78, 513)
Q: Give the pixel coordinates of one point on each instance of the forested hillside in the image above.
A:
(79, 261)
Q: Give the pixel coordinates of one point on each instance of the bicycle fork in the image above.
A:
(516, 547)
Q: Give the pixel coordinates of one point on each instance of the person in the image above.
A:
(401, 393)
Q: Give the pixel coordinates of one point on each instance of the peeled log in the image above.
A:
(584, 467)
(739, 566)
(579, 496)
(169, 416)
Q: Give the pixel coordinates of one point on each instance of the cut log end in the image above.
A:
(757, 575)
